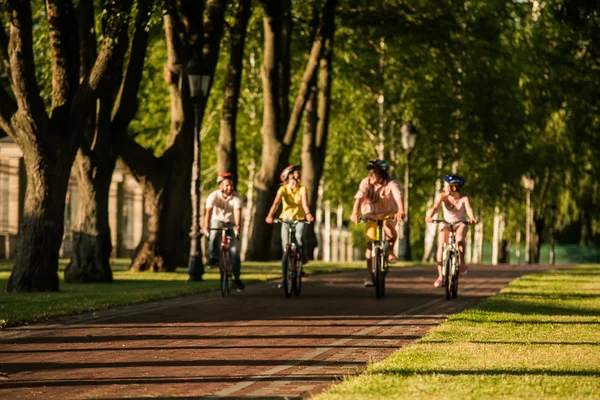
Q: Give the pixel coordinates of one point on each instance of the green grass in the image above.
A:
(539, 338)
(128, 288)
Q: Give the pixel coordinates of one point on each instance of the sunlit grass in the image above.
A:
(128, 288)
(539, 338)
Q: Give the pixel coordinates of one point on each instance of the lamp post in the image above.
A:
(528, 184)
(409, 135)
(199, 85)
(553, 210)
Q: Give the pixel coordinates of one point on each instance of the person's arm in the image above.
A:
(269, 218)
(309, 216)
(397, 193)
(237, 211)
(433, 210)
(360, 195)
(469, 210)
(354, 216)
(207, 217)
(237, 217)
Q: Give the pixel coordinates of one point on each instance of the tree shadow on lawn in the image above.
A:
(512, 342)
(494, 372)
(504, 305)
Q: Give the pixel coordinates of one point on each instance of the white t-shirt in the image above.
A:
(222, 209)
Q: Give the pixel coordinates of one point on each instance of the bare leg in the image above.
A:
(368, 255)
(442, 237)
(391, 235)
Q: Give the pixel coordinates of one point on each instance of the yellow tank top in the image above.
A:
(291, 201)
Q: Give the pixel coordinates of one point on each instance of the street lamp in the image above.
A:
(409, 136)
(528, 184)
(199, 86)
(553, 210)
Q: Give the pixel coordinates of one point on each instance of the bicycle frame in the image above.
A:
(291, 244)
(292, 267)
(451, 259)
(225, 265)
(379, 247)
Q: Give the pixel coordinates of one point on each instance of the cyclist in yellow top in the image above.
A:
(293, 197)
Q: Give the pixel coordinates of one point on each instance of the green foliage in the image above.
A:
(496, 86)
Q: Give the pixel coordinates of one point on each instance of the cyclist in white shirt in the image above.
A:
(224, 206)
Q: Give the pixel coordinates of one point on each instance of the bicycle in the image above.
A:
(225, 269)
(292, 260)
(379, 262)
(450, 260)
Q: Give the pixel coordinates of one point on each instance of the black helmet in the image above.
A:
(381, 165)
(455, 180)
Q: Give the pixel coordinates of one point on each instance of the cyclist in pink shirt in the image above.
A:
(379, 195)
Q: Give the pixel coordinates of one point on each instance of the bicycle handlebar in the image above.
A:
(227, 227)
(443, 221)
(289, 221)
(363, 219)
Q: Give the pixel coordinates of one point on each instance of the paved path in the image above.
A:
(255, 344)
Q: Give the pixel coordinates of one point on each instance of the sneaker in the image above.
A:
(439, 282)
(212, 262)
(392, 258)
(464, 270)
(239, 284)
(368, 283)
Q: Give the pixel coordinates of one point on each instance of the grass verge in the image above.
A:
(538, 338)
(128, 288)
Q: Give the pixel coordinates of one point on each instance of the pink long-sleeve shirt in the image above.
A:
(383, 198)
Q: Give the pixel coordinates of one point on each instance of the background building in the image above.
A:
(126, 206)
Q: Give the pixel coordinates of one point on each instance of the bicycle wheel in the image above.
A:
(378, 281)
(288, 269)
(223, 270)
(298, 277)
(384, 267)
(447, 272)
(455, 276)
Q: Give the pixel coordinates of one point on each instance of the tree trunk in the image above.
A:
(40, 235)
(278, 130)
(316, 128)
(49, 141)
(478, 242)
(311, 168)
(166, 180)
(275, 78)
(536, 243)
(96, 159)
(226, 148)
(91, 237)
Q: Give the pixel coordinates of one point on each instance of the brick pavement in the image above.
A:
(255, 344)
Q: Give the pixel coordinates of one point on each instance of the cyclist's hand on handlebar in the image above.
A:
(472, 220)
(310, 218)
(429, 219)
(400, 216)
(354, 218)
(269, 219)
(206, 232)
